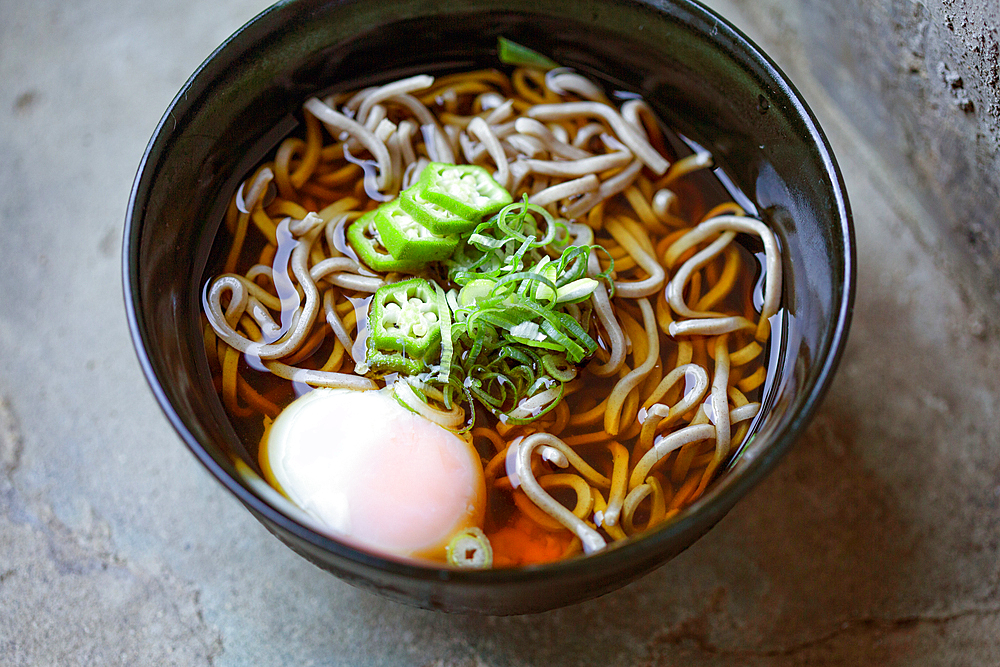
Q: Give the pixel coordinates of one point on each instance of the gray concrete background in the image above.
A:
(920, 81)
(875, 542)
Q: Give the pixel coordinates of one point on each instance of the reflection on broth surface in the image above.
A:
(552, 284)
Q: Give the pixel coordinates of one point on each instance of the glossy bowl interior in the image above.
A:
(703, 78)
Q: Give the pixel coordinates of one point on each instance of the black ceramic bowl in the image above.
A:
(701, 75)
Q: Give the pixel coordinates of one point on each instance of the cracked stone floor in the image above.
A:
(874, 542)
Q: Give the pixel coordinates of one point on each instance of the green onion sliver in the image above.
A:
(512, 53)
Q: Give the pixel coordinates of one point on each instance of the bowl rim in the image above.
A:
(644, 548)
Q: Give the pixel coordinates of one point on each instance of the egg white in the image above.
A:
(371, 471)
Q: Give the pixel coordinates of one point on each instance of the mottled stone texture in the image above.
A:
(920, 79)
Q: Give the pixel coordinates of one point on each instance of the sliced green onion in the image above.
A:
(470, 549)
(447, 345)
(527, 329)
(577, 290)
(516, 324)
(558, 368)
(512, 53)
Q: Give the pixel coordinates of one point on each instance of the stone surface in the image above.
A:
(875, 542)
(921, 80)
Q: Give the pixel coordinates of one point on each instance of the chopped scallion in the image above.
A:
(512, 53)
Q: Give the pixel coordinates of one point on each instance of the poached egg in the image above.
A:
(374, 472)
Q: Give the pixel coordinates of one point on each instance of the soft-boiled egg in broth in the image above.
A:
(374, 472)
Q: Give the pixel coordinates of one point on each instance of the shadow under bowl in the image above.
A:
(704, 78)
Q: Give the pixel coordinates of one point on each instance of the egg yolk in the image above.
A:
(374, 472)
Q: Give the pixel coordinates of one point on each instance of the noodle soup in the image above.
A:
(508, 274)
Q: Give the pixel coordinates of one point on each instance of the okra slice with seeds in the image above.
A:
(407, 239)
(403, 317)
(432, 216)
(364, 239)
(466, 190)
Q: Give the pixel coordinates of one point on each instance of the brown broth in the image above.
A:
(517, 537)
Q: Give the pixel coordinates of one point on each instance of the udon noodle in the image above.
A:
(628, 436)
